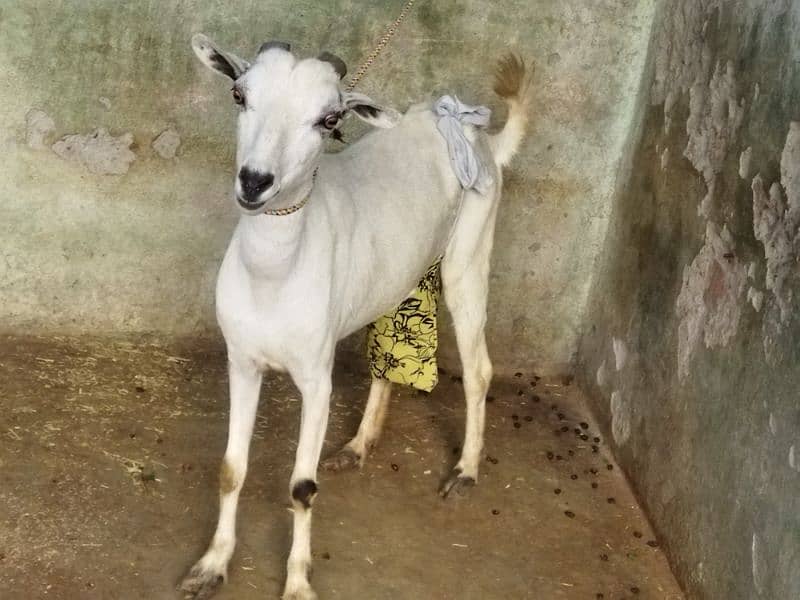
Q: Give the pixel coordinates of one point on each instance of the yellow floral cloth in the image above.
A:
(401, 345)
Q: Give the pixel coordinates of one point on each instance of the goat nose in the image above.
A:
(253, 183)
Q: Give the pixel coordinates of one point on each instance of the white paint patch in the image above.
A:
(99, 151)
(620, 353)
(759, 564)
(756, 92)
(664, 159)
(776, 217)
(105, 102)
(790, 168)
(773, 424)
(166, 144)
(681, 54)
(708, 304)
(793, 462)
(756, 298)
(745, 162)
(39, 128)
(602, 375)
(620, 419)
(751, 270)
(714, 120)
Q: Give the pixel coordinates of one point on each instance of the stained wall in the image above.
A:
(690, 345)
(118, 145)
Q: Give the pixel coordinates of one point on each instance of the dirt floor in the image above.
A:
(109, 455)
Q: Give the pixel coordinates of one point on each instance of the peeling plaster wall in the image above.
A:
(120, 227)
(698, 281)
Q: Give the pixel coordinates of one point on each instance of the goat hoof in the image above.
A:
(344, 460)
(201, 584)
(303, 592)
(457, 482)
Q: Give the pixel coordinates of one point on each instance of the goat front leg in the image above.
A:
(210, 571)
(316, 392)
(355, 451)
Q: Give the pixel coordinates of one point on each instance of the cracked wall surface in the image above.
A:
(699, 278)
(118, 150)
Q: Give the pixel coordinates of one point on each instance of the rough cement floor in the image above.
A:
(108, 487)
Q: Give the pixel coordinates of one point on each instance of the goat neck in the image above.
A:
(269, 244)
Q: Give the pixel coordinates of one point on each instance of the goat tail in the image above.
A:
(512, 83)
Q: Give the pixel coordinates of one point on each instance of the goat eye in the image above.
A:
(330, 121)
(238, 97)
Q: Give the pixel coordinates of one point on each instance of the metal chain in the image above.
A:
(379, 47)
(282, 212)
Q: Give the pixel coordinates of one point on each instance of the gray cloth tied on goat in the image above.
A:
(453, 113)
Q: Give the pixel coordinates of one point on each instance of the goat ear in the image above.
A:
(222, 62)
(366, 109)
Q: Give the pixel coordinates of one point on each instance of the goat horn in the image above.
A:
(338, 63)
(274, 44)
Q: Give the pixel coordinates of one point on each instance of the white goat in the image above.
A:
(329, 242)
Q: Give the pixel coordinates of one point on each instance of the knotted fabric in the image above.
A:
(452, 113)
(401, 345)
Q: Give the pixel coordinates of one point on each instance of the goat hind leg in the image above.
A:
(465, 281)
(467, 305)
(352, 455)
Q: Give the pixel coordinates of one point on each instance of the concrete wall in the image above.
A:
(102, 234)
(691, 342)
(654, 210)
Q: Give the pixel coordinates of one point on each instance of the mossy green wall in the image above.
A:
(86, 252)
